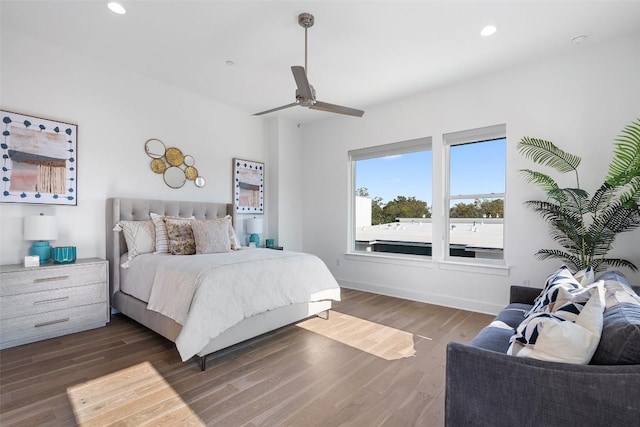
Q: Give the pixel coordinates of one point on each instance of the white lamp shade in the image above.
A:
(40, 227)
(254, 226)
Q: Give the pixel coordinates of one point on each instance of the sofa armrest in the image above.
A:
(523, 294)
(485, 388)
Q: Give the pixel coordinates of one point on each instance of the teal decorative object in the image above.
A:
(42, 249)
(63, 254)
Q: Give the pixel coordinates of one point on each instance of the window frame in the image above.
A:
(478, 135)
(377, 151)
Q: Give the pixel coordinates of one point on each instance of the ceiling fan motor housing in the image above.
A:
(305, 20)
(306, 102)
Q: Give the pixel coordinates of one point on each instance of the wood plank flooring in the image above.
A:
(377, 361)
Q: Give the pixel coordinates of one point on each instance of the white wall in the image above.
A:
(116, 112)
(285, 182)
(580, 101)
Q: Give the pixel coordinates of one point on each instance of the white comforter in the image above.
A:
(208, 294)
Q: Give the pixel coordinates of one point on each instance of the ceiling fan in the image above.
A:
(305, 93)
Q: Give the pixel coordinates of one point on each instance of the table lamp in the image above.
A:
(40, 229)
(254, 228)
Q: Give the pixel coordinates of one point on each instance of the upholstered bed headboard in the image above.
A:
(139, 210)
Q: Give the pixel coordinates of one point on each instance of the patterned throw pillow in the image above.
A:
(139, 236)
(211, 236)
(560, 279)
(180, 236)
(553, 337)
(162, 240)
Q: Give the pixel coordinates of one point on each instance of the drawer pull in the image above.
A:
(52, 322)
(50, 279)
(48, 301)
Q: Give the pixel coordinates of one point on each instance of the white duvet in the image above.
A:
(208, 294)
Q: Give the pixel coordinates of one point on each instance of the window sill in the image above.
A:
(475, 267)
(382, 258)
(428, 262)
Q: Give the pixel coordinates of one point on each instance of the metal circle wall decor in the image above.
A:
(154, 148)
(158, 165)
(176, 168)
(174, 156)
(191, 173)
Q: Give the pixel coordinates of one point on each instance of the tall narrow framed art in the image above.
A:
(248, 186)
(39, 160)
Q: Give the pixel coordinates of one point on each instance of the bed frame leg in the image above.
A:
(203, 363)
(324, 315)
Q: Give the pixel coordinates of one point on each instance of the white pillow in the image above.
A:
(235, 243)
(548, 336)
(140, 237)
(211, 236)
(585, 276)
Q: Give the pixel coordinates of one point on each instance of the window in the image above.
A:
(392, 198)
(475, 193)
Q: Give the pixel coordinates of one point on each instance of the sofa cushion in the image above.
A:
(494, 337)
(620, 341)
(513, 314)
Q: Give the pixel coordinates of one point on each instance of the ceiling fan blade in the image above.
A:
(304, 88)
(293, 104)
(332, 108)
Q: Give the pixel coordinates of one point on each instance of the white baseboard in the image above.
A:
(437, 299)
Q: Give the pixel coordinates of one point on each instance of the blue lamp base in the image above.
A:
(42, 249)
(255, 238)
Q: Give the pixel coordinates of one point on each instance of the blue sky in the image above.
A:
(410, 174)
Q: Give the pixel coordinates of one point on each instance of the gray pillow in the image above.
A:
(620, 341)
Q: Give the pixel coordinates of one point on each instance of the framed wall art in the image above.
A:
(39, 160)
(248, 186)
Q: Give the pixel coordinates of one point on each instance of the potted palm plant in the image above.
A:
(585, 226)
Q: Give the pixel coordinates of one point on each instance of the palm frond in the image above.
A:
(575, 200)
(617, 263)
(548, 154)
(601, 197)
(626, 160)
(570, 260)
(544, 181)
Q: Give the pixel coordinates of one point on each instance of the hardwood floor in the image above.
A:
(377, 361)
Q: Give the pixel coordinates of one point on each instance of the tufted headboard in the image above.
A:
(139, 210)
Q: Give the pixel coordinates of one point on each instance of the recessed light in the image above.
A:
(116, 8)
(488, 30)
(229, 63)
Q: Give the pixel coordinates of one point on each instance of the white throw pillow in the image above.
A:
(140, 237)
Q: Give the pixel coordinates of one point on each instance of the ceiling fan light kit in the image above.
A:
(305, 93)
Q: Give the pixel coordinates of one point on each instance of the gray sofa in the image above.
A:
(487, 387)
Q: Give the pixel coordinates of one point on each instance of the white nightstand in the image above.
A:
(43, 302)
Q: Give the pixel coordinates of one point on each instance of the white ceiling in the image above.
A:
(361, 53)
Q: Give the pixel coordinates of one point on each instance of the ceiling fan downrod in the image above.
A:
(305, 20)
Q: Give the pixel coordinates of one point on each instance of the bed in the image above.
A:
(146, 289)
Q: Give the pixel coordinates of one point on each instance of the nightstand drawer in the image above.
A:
(39, 302)
(52, 323)
(63, 276)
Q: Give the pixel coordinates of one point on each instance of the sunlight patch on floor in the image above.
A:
(134, 396)
(374, 338)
